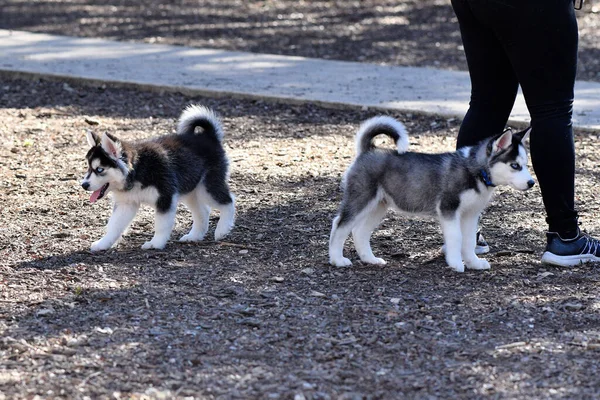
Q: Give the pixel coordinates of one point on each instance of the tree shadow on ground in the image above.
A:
(265, 314)
(374, 31)
(271, 316)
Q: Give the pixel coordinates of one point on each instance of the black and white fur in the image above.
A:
(455, 187)
(189, 167)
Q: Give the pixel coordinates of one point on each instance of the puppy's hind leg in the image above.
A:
(363, 230)
(164, 219)
(226, 219)
(200, 215)
(340, 230)
(217, 195)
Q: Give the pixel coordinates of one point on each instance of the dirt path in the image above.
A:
(263, 315)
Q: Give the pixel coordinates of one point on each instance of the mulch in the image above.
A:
(262, 314)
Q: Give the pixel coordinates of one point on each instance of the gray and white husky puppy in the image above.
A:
(455, 187)
(189, 167)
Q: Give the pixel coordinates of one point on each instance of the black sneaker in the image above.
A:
(570, 252)
(482, 247)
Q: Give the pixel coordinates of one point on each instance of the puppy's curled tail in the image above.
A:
(381, 125)
(196, 115)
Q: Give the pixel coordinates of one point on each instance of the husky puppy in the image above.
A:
(455, 187)
(190, 166)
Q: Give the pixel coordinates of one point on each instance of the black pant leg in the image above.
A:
(540, 40)
(494, 84)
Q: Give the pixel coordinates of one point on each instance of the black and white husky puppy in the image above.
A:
(189, 167)
(455, 187)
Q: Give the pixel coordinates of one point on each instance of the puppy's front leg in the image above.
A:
(119, 221)
(453, 240)
(163, 225)
(468, 225)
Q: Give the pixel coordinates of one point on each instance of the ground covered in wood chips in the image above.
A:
(405, 32)
(262, 314)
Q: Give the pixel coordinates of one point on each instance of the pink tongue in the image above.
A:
(95, 195)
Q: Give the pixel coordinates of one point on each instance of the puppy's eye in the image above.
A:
(99, 170)
(516, 166)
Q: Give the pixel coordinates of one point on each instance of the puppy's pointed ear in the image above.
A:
(523, 135)
(92, 139)
(112, 146)
(503, 142)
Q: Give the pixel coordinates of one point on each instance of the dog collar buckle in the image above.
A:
(485, 177)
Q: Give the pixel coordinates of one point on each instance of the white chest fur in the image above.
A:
(137, 195)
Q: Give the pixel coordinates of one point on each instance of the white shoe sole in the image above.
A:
(482, 249)
(478, 249)
(568, 261)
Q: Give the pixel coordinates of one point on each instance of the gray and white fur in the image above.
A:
(455, 187)
(189, 167)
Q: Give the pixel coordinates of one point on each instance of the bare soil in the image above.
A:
(409, 32)
(262, 315)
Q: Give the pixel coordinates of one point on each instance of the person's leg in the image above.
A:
(541, 39)
(541, 42)
(493, 83)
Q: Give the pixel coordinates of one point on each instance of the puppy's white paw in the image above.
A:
(478, 263)
(340, 262)
(192, 238)
(222, 231)
(373, 260)
(154, 244)
(456, 265)
(100, 245)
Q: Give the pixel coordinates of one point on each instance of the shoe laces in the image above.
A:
(591, 245)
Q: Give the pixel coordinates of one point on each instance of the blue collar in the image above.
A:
(485, 177)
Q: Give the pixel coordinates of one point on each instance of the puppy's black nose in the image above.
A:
(530, 183)
(85, 185)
